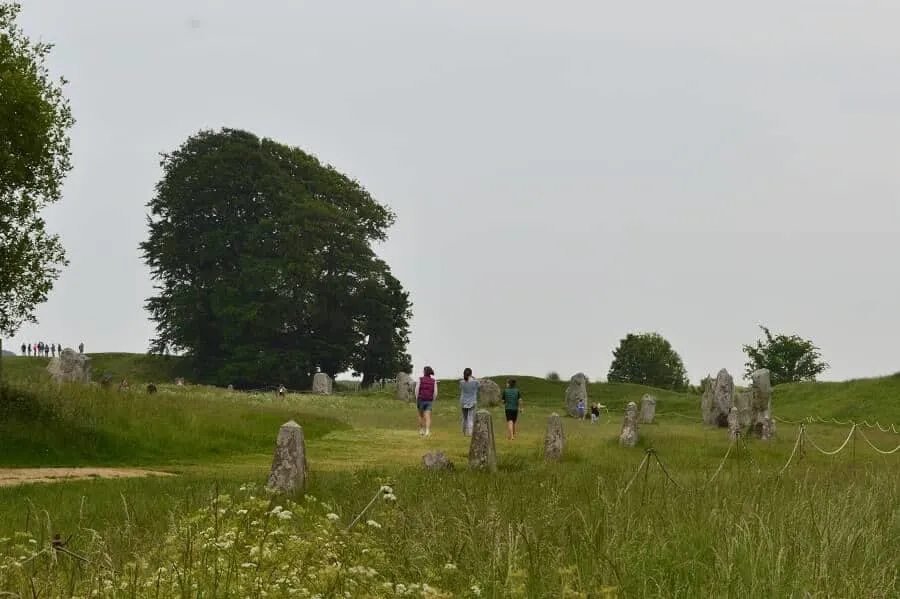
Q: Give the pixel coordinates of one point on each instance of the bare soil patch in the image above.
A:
(19, 476)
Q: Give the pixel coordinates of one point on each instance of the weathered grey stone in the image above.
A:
(648, 409)
(321, 384)
(488, 393)
(289, 467)
(482, 451)
(742, 403)
(575, 392)
(436, 460)
(406, 387)
(629, 436)
(70, 367)
(718, 399)
(734, 424)
(761, 421)
(554, 439)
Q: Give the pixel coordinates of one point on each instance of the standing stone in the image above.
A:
(718, 399)
(321, 384)
(70, 367)
(629, 435)
(742, 403)
(436, 460)
(488, 393)
(734, 424)
(575, 392)
(289, 468)
(553, 441)
(406, 387)
(482, 451)
(648, 409)
(761, 421)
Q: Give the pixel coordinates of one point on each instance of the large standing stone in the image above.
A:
(761, 421)
(289, 467)
(406, 387)
(629, 435)
(482, 451)
(70, 367)
(648, 409)
(436, 460)
(734, 424)
(575, 392)
(718, 399)
(553, 441)
(488, 393)
(321, 384)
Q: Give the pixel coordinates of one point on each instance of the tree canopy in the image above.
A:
(789, 358)
(264, 265)
(647, 359)
(34, 159)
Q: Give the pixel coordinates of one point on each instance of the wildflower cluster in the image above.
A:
(257, 544)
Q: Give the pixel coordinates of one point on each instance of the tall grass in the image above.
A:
(825, 527)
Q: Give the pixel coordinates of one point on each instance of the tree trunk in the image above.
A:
(367, 380)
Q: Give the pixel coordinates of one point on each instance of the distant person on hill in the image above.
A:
(29, 350)
(512, 403)
(52, 350)
(23, 349)
(81, 348)
(468, 398)
(426, 392)
(281, 390)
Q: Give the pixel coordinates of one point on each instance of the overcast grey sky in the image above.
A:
(563, 172)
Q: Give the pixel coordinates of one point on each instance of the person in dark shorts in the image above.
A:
(512, 402)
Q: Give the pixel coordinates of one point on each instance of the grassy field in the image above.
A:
(707, 519)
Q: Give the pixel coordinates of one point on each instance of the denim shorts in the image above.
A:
(423, 405)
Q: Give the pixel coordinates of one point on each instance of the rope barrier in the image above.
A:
(839, 449)
(802, 434)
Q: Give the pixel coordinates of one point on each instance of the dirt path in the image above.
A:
(19, 476)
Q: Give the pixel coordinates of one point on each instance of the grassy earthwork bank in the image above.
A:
(702, 518)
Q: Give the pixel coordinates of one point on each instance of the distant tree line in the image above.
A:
(649, 359)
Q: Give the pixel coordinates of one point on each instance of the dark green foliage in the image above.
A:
(34, 159)
(647, 359)
(265, 267)
(552, 376)
(789, 358)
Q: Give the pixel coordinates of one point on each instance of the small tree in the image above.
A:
(552, 376)
(647, 359)
(789, 358)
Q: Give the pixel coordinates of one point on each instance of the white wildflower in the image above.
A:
(248, 565)
(373, 524)
(242, 512)
(476, 590)
(449, 566)
(387, 489)
(332, 516)
(390, 497)
(285, 515)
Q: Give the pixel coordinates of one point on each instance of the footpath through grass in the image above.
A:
(825, 527)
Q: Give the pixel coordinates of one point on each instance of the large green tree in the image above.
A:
(647, 359)
(34, 159)
(789, 358)
(263, 260)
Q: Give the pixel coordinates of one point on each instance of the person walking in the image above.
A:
(468, 398)
(426, 393)
(512, 403)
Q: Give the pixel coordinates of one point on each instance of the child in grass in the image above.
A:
(595, 412)
(512, 402)
(426, 392)
(468, 395)
(579, 407)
